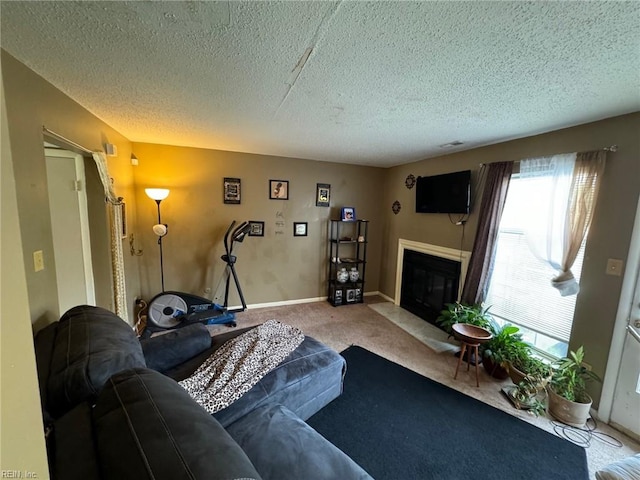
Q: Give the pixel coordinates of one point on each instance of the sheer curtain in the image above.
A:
(115, 228)
(583, 195)
(493, 199)
(562, 190)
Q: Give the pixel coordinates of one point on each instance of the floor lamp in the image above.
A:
(160, 229)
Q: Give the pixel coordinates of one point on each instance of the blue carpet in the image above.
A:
(398, 424)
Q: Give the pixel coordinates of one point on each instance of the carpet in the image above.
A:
(397, 424)
(434, 338)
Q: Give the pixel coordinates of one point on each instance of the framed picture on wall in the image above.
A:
(299, 229)
(279, 189)
(256, 229)
(323, 194)
(231, 190)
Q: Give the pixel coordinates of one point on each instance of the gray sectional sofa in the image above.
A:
(113, 408)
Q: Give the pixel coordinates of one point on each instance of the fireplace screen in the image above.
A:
(428, 284)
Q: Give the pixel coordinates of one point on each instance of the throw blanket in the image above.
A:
(240, 363)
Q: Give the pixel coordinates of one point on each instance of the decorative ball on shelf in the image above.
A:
(354, 274)
(342, 275)
(396, 207)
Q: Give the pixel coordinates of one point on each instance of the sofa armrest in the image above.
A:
(148, 427)
(166, 351)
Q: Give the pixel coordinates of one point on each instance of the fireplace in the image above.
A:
(428, 284)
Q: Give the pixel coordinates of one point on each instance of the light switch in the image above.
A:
(614, 267)
(38, 261)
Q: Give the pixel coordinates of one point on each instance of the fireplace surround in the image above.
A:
(432, 275)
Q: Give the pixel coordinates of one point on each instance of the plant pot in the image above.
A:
(571, 413)
(516, 375)
(494, 369)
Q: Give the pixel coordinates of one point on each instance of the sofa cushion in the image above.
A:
(283, 447)
(304, 382)
(148, 427)
(166, 351)
(91, 344)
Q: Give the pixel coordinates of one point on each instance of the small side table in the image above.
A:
(471, 337)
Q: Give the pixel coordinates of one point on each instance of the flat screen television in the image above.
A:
(448, 193)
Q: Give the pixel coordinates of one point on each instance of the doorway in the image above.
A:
(620, 401)
(66, 185)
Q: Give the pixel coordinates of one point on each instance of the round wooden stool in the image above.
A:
(469, 348)
(470, 337)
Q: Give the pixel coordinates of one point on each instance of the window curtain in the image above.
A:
(493, 199)
(563, 191)
(115, 227)
(583, 195)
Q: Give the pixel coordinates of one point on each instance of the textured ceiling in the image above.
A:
(376, 83)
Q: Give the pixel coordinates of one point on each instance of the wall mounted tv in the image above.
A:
(448, 193)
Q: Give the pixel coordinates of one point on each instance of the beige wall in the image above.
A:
(32, 103)
(609, 236)
(21, 438)
(273, 268)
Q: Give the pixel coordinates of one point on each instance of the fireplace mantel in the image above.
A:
(435, 250)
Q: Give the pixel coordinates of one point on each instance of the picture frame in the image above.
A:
(299, 229)
(278, 189)
(323, 194)
(348, 214)
(351, 295)
(256, 228)
(231, 191)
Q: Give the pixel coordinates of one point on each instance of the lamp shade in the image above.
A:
(157, 193)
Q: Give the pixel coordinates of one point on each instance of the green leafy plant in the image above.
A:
(531, 366)
(526, 395)
(461, 313)
(505, 344)
(570, 376)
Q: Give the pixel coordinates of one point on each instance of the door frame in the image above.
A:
(630, 280)
(84, 217)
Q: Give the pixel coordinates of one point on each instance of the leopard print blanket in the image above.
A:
(240, 363)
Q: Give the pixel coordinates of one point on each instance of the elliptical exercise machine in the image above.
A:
(172, 310)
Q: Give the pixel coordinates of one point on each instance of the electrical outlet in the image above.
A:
(614, 267)
(38, 261)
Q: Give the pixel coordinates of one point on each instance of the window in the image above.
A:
(520, 290)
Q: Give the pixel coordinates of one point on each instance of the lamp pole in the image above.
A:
(160, 245)
(160, 229)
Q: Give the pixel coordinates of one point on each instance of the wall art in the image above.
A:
(323, 194)
(256, 228)
(410, 181)
(299, 229)
(348, 214)
(279, 189)
(231, 190)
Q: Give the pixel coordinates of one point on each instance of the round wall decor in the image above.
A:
(396, 207)
(410, 181)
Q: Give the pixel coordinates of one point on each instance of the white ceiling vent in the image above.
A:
(455, 143)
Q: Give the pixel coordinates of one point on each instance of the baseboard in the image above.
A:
(300, 301)
(387, 298)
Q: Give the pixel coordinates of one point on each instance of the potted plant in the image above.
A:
(496, 352)
(569, 401)
(462, 313)
(527, 395)
(523, 365)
